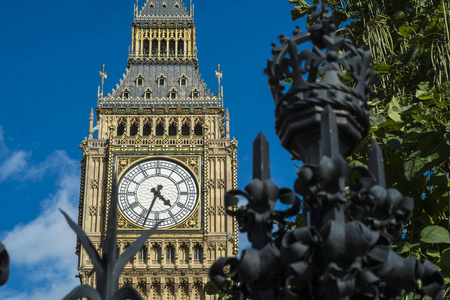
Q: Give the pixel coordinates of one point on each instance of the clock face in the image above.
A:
(157, 190)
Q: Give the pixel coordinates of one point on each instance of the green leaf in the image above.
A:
(433, 253)
(395, 116)
(210, 288)
(416, 165)
(405, 30)
(444, 262)
(300, 10)
(406, 247)
(382, 68)
(392, 110)
(434, 235)
(376, 119)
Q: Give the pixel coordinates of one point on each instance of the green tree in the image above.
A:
(409, 110)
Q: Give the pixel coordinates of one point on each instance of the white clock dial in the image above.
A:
(157, 190)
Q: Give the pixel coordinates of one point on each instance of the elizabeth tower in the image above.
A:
(165, 138)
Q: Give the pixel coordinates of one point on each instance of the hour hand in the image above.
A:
(166, 202)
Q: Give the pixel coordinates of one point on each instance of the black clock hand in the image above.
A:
(156, 193)
(166, 202)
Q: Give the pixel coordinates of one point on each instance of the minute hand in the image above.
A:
(156, 193)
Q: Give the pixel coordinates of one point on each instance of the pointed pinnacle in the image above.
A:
(376, 166)
(261, 158)
(329, 133)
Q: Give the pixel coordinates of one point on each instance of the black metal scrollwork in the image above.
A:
(344, 251)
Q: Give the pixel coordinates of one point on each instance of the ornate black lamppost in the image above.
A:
(344, 251)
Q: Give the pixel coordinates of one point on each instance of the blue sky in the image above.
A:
(51, 55)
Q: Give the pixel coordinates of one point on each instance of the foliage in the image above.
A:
(409, 111)
(211, 289)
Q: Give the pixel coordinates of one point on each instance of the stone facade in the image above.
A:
(190, 128)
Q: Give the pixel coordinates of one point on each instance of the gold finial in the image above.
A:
(219, 75)
(103, 76)
(234, 143)
(136, 8)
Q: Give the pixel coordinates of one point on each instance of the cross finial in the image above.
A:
(219, 75)
(103, 76)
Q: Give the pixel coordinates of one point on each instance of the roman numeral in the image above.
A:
(172, 216)
(181, 205)
(143, 171)
(133, 205)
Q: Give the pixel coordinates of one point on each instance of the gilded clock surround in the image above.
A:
(192, 162)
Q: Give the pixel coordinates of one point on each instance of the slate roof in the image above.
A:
(150, 72)
(174, 10)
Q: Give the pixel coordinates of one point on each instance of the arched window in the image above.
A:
(198, 253)
(146, 47)
(142, 254)
(170, 254)
(148, 94)
(172, 48)
(186, 129)
(180, 47)
(161, 80)
(147, 130)
(121, 127)
(152, 5)
(164, 5)
(134, 129)
(173, 129)
(195, 94)
(155, 48)
(140, 80)
(173, 94)
(183, 80)
(159, 130)
(126, 94)
(163, 48)
(198, 129)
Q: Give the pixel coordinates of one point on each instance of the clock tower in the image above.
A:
(165, 138)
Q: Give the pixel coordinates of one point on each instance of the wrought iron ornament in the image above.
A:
(316, 77)
(345, 250)
(109, 266)
(4, 264)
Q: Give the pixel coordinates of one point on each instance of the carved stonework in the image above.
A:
(94, 184)
(92, 210)
(190, 223)
(221, 183)
(127, 131)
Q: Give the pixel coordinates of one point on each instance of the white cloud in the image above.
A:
(15, 164)
(42, 251)
(48, 235)
(3, 148)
